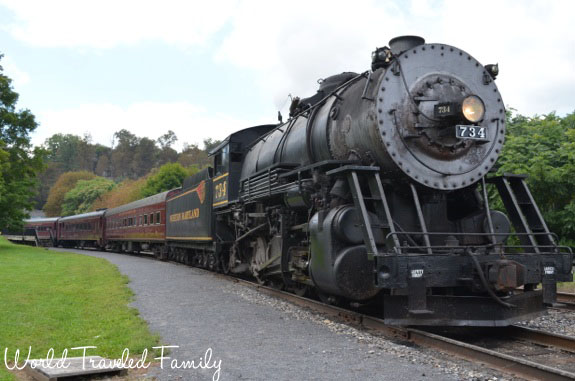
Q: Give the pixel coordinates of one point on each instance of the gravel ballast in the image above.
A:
(258, 337)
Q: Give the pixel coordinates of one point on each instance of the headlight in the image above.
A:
(473, 108)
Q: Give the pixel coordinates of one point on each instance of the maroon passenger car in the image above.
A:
(139, 225)
(36, 231)
(82, 230)
(46, 229)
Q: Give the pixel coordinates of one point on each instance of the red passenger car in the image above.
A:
(46, 230)
(36, 231)
(82, 230)
(138, 226)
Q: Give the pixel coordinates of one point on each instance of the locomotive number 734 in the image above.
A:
(470, 132)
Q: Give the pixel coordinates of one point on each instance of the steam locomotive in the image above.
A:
(375, 190)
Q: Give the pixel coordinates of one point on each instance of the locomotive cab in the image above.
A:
(228, 157)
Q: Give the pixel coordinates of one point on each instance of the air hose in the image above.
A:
(484, 281)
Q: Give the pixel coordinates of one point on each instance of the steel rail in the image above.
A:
(504, 363)
(566, 343)
(567, 299)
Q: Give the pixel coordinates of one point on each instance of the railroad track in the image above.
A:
(567, 300)
(505, 363)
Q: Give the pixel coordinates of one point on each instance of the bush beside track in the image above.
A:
(50, 299)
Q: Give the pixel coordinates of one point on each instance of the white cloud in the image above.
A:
(288, 45)
(191, 123)
(110, 23)
(12, 70)
(292, 44)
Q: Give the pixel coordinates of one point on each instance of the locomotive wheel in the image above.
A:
(212, 262)
(224, 262)
(259, 257)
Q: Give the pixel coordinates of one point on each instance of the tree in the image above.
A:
(167, 140)
(124, 193)
(19, 162)
(80, 198)
(210, 144)
(63, 185)
(145, 154)
(70, 152)
(167, 154)
(543, 147)
(193, 155)
(168, 176)
(65, 153)
(123, 154)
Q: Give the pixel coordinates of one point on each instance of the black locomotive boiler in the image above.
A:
(375, 190)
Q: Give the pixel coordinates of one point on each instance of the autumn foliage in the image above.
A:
(126, 192)
(65, 183)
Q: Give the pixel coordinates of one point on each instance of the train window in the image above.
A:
(222, 160)
(145, 219)
(151, 218)
(158, 218)
(235, 152)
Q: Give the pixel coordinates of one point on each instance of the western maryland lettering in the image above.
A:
(187, 215)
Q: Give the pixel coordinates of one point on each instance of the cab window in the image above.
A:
(222, 160)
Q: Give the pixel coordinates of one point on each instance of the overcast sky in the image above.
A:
(208, 68)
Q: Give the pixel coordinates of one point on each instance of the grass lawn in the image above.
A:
(566, 287)
(63, 300)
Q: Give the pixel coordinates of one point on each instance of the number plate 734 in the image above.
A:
(470, 132)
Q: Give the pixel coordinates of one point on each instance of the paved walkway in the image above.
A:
(254, 341)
